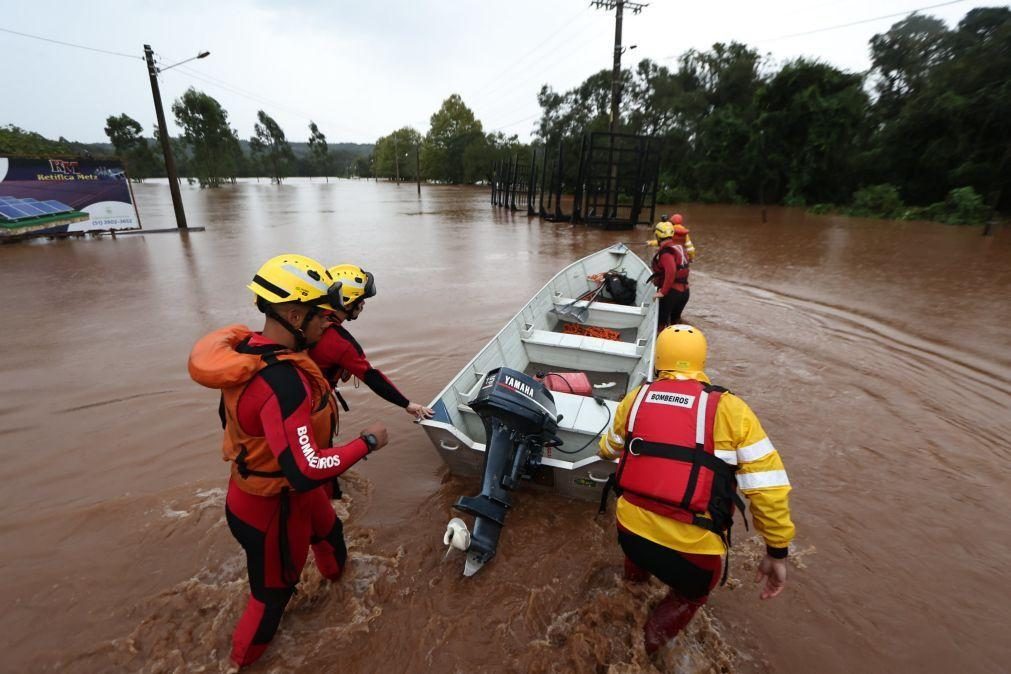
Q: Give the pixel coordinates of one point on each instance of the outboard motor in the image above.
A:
(519, 420)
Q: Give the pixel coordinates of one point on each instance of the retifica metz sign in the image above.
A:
(50, 196)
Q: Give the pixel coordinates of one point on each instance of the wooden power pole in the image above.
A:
(619, 6)
(166, 147)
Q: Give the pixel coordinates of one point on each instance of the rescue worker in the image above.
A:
(686, 446)
(339, 355)
(670, 273)
(279, 420)
(675, 220)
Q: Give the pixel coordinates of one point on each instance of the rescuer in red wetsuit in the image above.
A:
(279, 419)
(670, 273)
(338, 353)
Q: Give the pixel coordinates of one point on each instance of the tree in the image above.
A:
(273, 146)
(453, 129)
(126, 136)
(211, 142)
(813, 120)
(318, 151)
(944, 111)
(394, 154)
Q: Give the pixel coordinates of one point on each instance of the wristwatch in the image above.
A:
(370, 440)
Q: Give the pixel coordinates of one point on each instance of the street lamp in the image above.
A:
(166, 147)
(200, 55)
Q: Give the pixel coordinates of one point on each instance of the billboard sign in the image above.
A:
(51, 196)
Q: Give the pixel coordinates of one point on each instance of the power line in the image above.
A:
(552, 34)
(260, 100)
(71, 44)
(501, 94)
(857, 23)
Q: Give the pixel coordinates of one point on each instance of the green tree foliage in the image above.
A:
(16, 141)
(453, 130)
(947, 122)
(212, 144)
(395, 154)
(319, 152)
(272, 146)
(811, 126)
(126, 136)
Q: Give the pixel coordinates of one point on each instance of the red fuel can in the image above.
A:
(568, 382)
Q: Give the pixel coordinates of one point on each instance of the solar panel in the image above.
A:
(29, 200)
(46, 208)
(11, 213)
(28, 208)
(63, 208)
(4, 200)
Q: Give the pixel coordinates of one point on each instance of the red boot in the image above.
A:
(635, 574)
(668, 619)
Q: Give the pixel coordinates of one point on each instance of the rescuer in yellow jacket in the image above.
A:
(678, 532)
(677, 219)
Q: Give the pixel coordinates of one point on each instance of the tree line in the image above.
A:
(925, 132)
(210, 152)
(929, 126)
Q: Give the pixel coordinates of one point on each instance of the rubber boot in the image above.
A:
(634, 574)
(668, 619)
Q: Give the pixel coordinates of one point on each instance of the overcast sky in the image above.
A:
(362, 69)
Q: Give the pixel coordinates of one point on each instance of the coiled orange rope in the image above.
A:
(592, 331)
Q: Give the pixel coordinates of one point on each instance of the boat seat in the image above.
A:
(581, 352)
(605, 314)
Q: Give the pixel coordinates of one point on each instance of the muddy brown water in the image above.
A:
(876, 353)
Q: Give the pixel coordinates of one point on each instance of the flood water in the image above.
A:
(876, 354)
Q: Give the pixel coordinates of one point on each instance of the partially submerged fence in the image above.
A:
(611, 178)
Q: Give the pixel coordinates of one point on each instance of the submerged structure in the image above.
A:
(609, 180)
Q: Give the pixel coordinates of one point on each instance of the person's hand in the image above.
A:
(378, 430)
(657, 295)
(774, 572)
(419, 412)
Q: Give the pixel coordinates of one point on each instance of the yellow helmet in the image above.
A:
(680, 348)
(354, 284)
(293, 278)
(663, 230)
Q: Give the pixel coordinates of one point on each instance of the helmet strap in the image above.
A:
(299, 333)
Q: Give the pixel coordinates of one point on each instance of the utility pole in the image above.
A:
(417, 165)
(618, 6)
(396, 158)
(166, 147)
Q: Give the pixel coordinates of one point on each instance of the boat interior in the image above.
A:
(539, 340)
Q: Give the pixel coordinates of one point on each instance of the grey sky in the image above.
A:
(363, 69)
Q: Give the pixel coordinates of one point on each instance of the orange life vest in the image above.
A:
(224, 360)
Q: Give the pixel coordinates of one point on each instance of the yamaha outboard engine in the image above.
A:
(519, 420)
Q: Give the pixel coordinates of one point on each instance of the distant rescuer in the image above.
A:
(670, 272)
(676, 220)
(279, 420)
(340, 356)
(686, 446)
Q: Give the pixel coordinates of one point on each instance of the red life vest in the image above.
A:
(681, 262)
(669, 466)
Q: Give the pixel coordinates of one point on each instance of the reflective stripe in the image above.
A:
(763, 479)
(700, 419)
(756, 451)
(615, 440)
(635, 408)
(727, 456)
